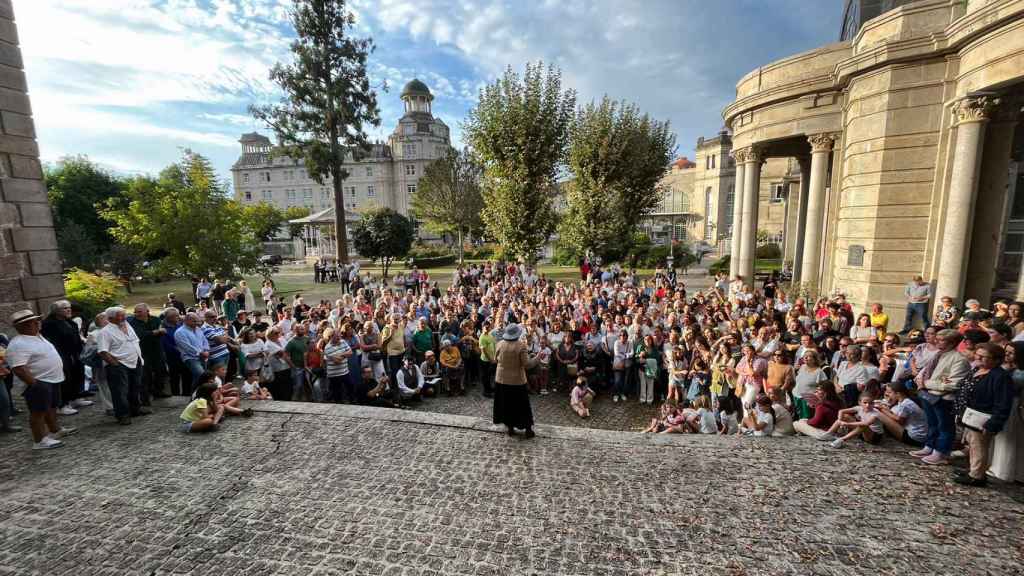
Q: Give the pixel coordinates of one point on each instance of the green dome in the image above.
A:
(416, 88)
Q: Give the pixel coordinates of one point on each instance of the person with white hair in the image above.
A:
(64, 334)
(118, 345)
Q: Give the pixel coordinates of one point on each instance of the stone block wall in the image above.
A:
(30, 268)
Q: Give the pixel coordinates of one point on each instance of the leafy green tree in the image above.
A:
(89, 292)
(76, 187)
(383, 234)
(328, 101)
(186, 219)
(293, 213)
(617, 156)
(519, 131)
(447, 196)
(264, 219)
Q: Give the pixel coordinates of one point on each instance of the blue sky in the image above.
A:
(131, 82)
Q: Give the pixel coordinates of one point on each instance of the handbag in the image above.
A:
(619, 364)
(974, 420)
(266, 373)
(572, 369)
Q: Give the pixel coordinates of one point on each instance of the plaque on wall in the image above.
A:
(855, 255)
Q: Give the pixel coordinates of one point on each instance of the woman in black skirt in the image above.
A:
(511, 401)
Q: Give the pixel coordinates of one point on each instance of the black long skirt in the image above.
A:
(512, 406)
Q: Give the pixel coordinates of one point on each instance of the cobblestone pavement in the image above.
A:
(316, 489)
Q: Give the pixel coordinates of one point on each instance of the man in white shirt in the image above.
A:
(118, 346)
(37, 365)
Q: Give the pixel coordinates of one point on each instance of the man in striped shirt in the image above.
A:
(217, 339)
(336, 355)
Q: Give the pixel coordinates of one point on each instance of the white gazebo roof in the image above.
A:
(326, 217)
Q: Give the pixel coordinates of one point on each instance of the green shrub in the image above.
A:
(720, 265)
(91, 293)
(484, 252)
(769, 252)
(435, 262)
(428, 251)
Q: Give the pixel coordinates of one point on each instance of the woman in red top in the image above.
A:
(826, 410)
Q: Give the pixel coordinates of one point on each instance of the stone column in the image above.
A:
(751, 192)
(971, 113)
(992, 206)
(801, 220)
(821, 150)
(30, 268)
(737, 215)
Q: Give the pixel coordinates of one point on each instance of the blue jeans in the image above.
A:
(918, 309)
(298, 382)
(125, 389)
(620, 382)
(196, 369)
(941, 425)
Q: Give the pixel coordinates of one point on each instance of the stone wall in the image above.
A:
(30, 268)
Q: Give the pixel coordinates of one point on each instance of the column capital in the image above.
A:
(821, 142)
(750, 154)
(975, 109)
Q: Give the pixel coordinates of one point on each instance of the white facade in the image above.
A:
(386, 176)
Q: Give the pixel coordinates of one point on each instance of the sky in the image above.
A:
(130, 83)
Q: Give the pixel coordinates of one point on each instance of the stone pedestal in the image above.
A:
(971, 114)
(30, 269)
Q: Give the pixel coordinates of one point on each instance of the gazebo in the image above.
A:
(318, 234)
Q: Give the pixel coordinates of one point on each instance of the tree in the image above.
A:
(383, 234)
(265, 220)
(293, 213)
(617, 156)
(447, 196)
(76, 188)
(185, 219)
(519, 130)
(328, 101)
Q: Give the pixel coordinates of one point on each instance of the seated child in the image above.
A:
(581, 397)
(228, 403)
(202, 414)
(783, 418)
(251, 389)
(901, 417)
(678, 420)
(729, 408)
(761, 420)
(861, 420)
(706, 423)
(227, 389)
(659, 424)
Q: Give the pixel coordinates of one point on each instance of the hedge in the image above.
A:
(435, 262)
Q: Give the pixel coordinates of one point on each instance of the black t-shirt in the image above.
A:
(261, 326)
(218, 292)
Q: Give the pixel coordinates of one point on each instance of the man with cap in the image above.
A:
(118, 346)
(38, 366)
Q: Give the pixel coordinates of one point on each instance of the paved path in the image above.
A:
(314, 489)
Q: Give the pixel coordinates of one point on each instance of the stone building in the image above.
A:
(30, 268)
(909, 152)
(386, 175)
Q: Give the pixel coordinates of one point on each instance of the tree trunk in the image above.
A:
(386, 262)
(460, 245)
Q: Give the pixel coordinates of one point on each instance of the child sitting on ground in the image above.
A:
(783, 417)
(729, 408)
(706, 423)
(861, 420)
(761, 420)
(202, 414)
(227, 389)
(581, 397)
(228, 403)
(658, 424)
(679, 420)
(252, 390)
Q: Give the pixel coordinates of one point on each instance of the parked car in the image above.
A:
(271, 259)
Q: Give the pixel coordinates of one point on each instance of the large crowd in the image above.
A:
(729, 359)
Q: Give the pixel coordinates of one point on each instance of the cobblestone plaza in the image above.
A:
(324, 489)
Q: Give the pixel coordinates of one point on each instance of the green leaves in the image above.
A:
(328, 102)
(186, 219)
(76, 188)
(448, 196)
(383, 234)
(519, 131)
(617, 156)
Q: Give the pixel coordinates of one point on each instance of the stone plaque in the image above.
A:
(855, 255)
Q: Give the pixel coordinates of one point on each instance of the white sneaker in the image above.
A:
(67, 411)
(837, 443)
(81, 403)
(64, 432)
(828, 437)
(615, 398)
(47, 443)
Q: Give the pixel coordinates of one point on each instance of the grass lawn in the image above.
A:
(298, 278)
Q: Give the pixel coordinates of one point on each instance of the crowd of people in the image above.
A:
(730, 359)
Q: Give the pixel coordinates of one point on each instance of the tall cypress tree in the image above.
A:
(328, 101)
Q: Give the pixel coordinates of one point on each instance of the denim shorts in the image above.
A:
(184, 426)
(42, 396)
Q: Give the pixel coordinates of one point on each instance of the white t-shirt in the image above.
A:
(730, 422)
(766, 419)
(707, 421)
(255, 347)
(39, 355)
(783, 421)
(916, 424)
(123, 345)
(875, 425)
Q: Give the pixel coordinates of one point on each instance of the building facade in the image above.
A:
(908, 144)
(384, 176)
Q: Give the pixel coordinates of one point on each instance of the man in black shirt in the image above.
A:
(258, 324)
(173, 302)
(241, 321)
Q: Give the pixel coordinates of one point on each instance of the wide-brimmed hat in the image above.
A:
(23, 316)
(513, 332)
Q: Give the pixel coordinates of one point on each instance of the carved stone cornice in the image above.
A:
(975, 109)
(750, 154)
(821, 142)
